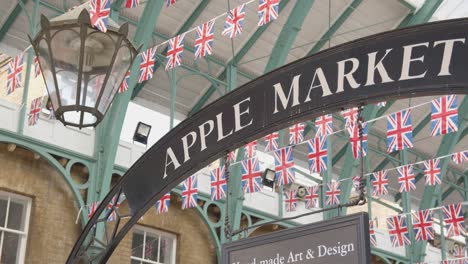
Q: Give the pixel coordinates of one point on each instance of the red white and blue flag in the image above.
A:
(372, 237)
(398, 230)
(174, 51)
(267, 11)
(271, 142)
(350, 116)
(204, 39)
(148, 59)
(234, 22)
(324, 125)
(399, 131)
(406, 178)
(444, 115)
(37, 68)
(422, 225)
(380, 183)
(132, 3)
(290, 200)
(459, 252)
(356, 182)
(124, 85)
(99, 11)
(333, 193)
(251, 176)
(15, 74)
(317, 154)
(432, 172)
(92, 209)
(296, 134)
(454, 220)
(460, 157)
(284, 166)
(231, 156)
(162, 205)
(190, 192)
(312, 197)
(170, 2)
(34, 112)
(355, 141)
(218, 183)
(250, 149)
(113, 206)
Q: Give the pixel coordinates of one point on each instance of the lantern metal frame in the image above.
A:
(83, 23)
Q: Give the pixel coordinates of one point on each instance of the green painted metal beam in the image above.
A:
(186, 26)
(460, 180)
(115, 10)
(288, 34)
(446, 147)
(11, 19)
(240, 54)
(333, 28)
(423, 15)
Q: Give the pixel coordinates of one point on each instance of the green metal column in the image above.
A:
(327, 176)
(173, 97)
(406, 204)
(443, 243)
(29, 61)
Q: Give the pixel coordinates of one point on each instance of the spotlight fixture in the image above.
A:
(268, 178)
(142, 132)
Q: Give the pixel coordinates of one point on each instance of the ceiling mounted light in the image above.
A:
(82, 66)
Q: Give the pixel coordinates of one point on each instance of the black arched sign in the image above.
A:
(431, 59)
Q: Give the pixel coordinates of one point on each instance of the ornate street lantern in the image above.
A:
(82, 66)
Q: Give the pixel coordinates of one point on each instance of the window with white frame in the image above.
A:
(153, 246)
(14, 222)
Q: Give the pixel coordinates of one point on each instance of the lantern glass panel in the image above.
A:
(45, 62)
(117, 74)
(75, 117)
(66, 47)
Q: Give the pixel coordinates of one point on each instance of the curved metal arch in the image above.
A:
(55, 164)
(68, 167)
(261, 222)
(146, 181)
(382, 257)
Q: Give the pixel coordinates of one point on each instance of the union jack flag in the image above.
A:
(37, 68)
(372, 237)
(170, 2)
(132, 3)
(296, 135)
(324, 126)
(148, 58)
(250, 149)
(379, 183)
(113, 206)
(356, 182)
(267, 11)
(432, 172)
(381, 104)
(444, 116)
(460, 157)
(353, 131)
(174, 51)
(454, 220)
(190, 192)
(204, 39)
(251, 176)
(271, 142)
(15, 74)
(398, 230)
(231, 156)
(422, 225)
(333, 193)
(35, 110)
(399, 131)
(290, 200)
(162, 205)
(234, 22)
(92, 209)
(312, 197)
(350, 116)
(124, 85)
(317, 154)
(218, 183)
(99, 11)
(284, 166)
(406, 178)
(459, 252)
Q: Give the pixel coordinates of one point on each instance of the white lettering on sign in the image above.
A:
(342, 250)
